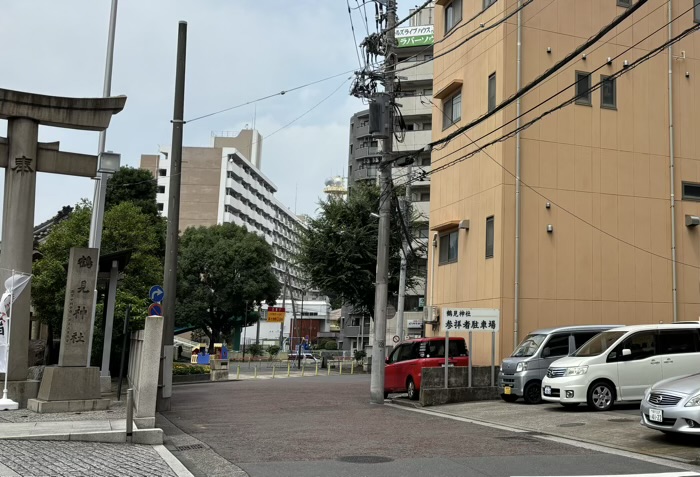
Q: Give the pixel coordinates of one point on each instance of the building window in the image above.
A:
(453, 14)
(691, 191)
(452, 109)
(583, 88)
(608, 93)
(427, 126)
(161, 189)
(488, 3)
(424, 197)
(162, 172)
(449, 247)
(697, 11)
(160, 207)
(489, 237)
(624, 3)
(492, 92)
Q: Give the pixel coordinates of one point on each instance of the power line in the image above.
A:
(281, 93)
(560, 64)
(354, 38)
(542, 103)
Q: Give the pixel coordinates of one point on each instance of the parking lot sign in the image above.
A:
(275, 314)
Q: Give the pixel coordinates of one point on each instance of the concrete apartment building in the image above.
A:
(598, 216)
(414, 48)
(224, 183)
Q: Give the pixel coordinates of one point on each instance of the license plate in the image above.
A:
(548, 390)
(507, 390)
(656, 415)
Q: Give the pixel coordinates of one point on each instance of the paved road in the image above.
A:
(317, 426)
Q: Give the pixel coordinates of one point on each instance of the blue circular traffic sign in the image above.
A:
(155, 310)
(156, 294)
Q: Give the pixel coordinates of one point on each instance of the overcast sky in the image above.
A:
(238, 50)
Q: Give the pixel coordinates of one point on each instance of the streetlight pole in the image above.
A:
(98, 201)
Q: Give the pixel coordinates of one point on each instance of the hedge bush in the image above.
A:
(180, 369)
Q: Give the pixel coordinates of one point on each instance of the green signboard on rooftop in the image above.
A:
(415, 36)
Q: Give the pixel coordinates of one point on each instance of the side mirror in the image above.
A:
(546, 352)
(626, 352)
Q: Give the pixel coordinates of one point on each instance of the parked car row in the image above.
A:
(657, 365)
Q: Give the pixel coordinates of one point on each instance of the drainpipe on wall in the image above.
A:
(518, 81)
(672, 160)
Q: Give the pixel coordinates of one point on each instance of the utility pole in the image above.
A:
(406, 214)
(165, 385)
(380, 298)
(284, 301)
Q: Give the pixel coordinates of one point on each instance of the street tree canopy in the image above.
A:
(126, 227)
(224, 272)
(338, 250)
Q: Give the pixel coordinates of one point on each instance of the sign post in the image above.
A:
(472, 320)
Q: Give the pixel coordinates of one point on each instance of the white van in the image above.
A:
(620, 364)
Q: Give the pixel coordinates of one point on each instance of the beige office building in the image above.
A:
(224, 183)
(598, 219)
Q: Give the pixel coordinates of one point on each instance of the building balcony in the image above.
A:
(362, 131)
(415, 106)
(422, 72)
(422, 210)
(365, 174)
(414, 140)
(370, 151)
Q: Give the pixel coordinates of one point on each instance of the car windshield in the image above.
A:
(599, 343)
(529, 346)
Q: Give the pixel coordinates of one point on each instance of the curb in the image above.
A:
(175, 465)
(139, 436)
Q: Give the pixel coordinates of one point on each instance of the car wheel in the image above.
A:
(509, 397)
(386, 395)
(601, 396)
(569, 405)
(411, 390)
(532, 393)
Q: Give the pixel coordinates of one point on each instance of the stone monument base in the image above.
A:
(22, 391)
(218, 370)
(105, 384)
(69, 389)
(77, 405)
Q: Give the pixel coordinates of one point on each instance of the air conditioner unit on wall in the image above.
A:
(432, 314)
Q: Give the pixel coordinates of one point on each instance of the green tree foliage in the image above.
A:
(224, 272)
(126, 227)
(339, 249)
(137, 186)
(255, 350)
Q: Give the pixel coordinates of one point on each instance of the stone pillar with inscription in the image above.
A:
(73, 385)
(22, 156)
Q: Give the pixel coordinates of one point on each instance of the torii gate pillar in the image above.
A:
(23, 156)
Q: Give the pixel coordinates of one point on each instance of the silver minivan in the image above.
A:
(521, 374)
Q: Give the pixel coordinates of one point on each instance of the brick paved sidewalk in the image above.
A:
(88, 459)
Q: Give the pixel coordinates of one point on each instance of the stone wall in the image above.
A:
(433, 392)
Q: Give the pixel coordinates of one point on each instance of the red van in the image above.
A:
(403, 366)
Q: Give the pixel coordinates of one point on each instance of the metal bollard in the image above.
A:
(289, 367)
(317, 369)
(340, 363)
(256, 372)
(129, 414)
(352, 367)
(329, 368)
(273, 371)
(238, 371)
(303, 368)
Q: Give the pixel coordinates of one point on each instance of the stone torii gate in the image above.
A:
(23, 156)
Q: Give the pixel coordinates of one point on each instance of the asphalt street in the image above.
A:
(325, 425)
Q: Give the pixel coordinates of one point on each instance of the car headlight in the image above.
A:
(646, 393)
(522, 366)
(577, 371)
(693, 401)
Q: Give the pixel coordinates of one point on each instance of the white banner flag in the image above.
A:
(13, 288)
